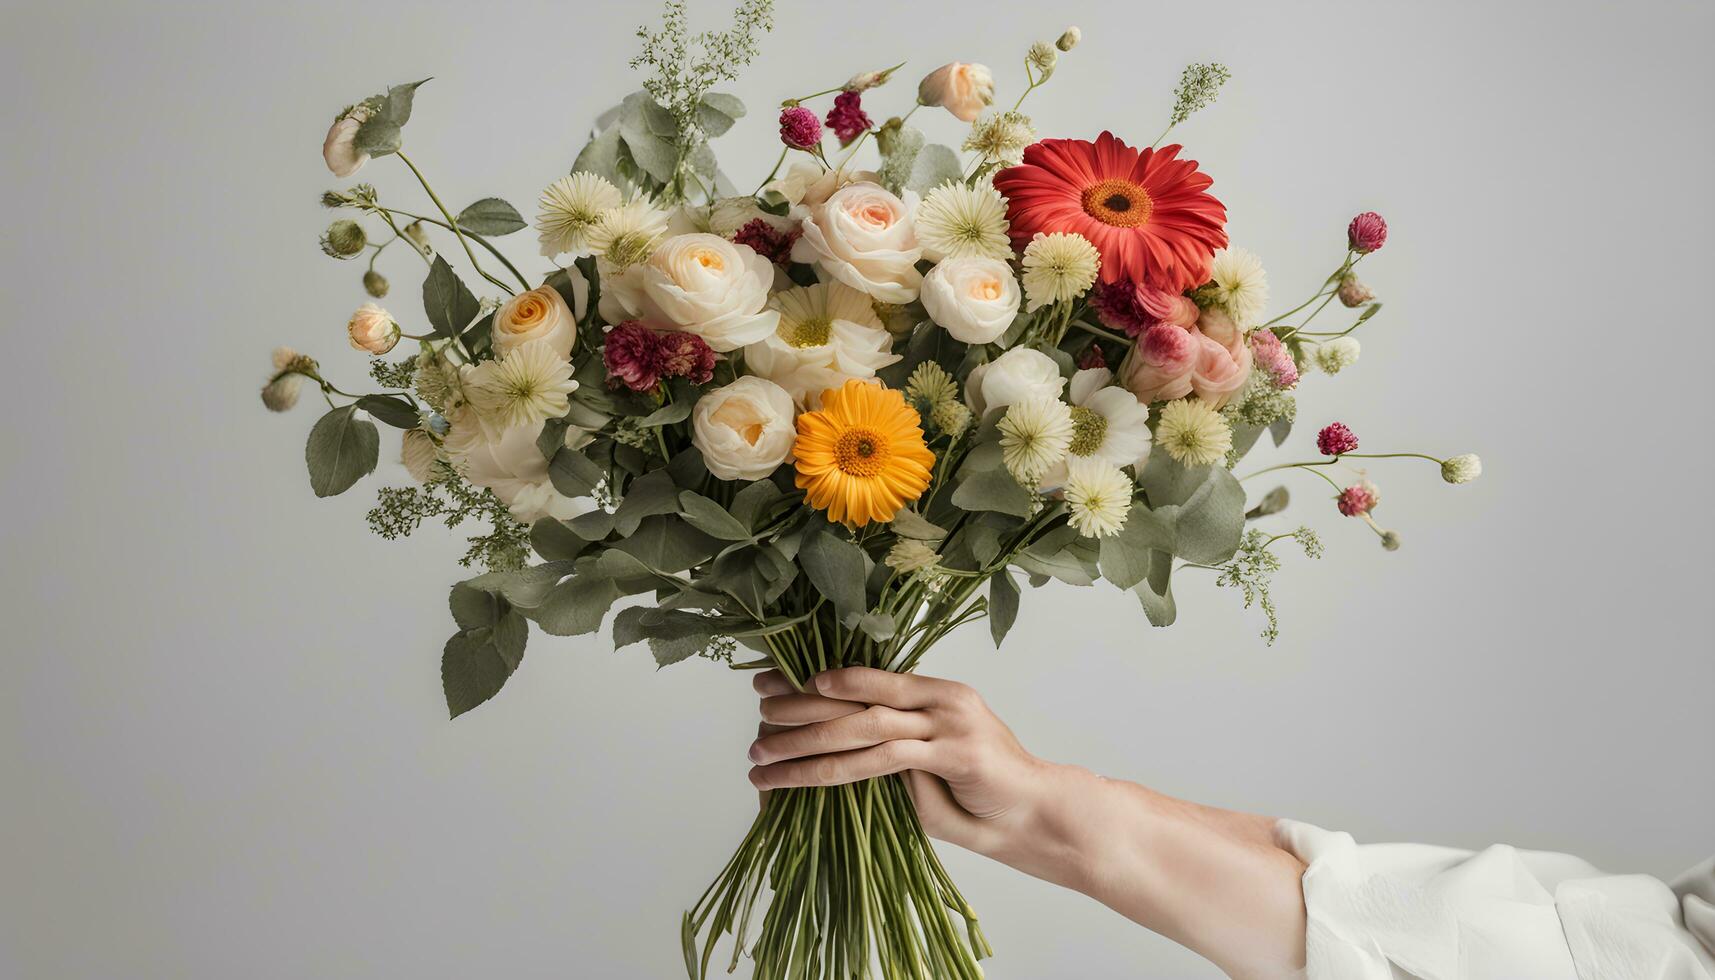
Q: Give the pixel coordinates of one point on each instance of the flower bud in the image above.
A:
(339, 150)
(375, 284)
(1461, 469)
(964, 90)
(334, 199)
(372, 329)
(800, 129)
(1338, 354)
(1390, 540)
(280, 394)
(1354, 293)
(419, 237)
(870, 79)
(1042, 57)
(344, 239)
(1070, 39)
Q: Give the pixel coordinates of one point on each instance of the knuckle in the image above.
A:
(825, 772)
(870, 722)
(964, 698)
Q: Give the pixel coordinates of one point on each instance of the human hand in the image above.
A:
(971, 780)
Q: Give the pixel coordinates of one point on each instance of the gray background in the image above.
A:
(226, 752)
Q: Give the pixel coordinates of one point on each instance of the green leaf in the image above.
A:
(449, 305)
(650, 494)
(475, 608)
(554, 540)
(577, 605)
(574, 474)
(687, 469)
(668, 545)
(837, 569)
(475, 664)
(523, 588)
(1155, 592)
(392, 409)
(378, 136)
(651, 135)
(718, 111)
(341, 450)
(1279, 429)
(396, 106)
(751, 504)
(1003, 605)
(667, 414)
(1125, 557)
(994, 490)
(639, 623)
(707, 516)
(1209, 525)
(908, 523)
(877, 626)
(668, 652)
(600, 156)
(935, 165)
(490, 216)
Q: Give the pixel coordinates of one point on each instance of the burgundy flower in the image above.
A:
(685, 355)
(799, 128)
(1357, 500)
(1274, 358)
(1132, 308)
(766, 240)
(632, 354)
(1367, 232)
(847, 118)
(1092, 357)
(1335, 439)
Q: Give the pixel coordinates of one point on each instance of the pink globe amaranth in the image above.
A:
(1358, 499)
(1336, 439)
(799, 128)
(1274, 358)
(766, 240)
(1367, 233)
(632, 355)
(847, 118)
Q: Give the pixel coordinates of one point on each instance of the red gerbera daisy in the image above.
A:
(1148, 213)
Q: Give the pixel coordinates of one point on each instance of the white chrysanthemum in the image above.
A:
(1109, 425)
(1192, 432)
(628, 234)
(910, 555)
(1338, 354)
(1098, 496)
(1462, 468)
(1240, 285)
(1002, 136)
(570, 208)
(1034, 435)
(530, 384)
(931, 384)
(827, 333)
(1058, 267)
(956, 221)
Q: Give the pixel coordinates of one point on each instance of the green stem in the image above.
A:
(453, 224)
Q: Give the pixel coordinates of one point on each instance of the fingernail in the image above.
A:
(822, 681)
(756, 751)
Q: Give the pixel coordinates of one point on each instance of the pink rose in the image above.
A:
(1160, 364)
(339, 150)
(1220, 372)
(963, 90)
(1215, 324)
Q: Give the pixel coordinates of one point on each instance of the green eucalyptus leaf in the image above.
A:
(667, 414)
(341, 450)
(709, 517)
(878, 626)
(577, 605)
(448, 303)
(650, 494)
(1279, 429)
(837, 569)
(1155, 592)
(1209, 525)
(751, 504)
(908, 523)
(396, 105)
(490, 216)
(994, 490)
(667, 544)
(391, 409)
(554, 540)
(1125, 556)
(378, 136)
(668, 652)
(474, 608)
(1003, 605)
(651, 135)
(601, 156)
(574, 474)
(717, 111)
(475, 664)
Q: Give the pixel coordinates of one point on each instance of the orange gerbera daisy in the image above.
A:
(861, 456)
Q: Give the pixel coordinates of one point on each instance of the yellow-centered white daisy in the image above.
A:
(826, 334)
(1109, 425)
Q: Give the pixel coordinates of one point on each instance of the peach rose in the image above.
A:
(963, 90)
(865, 237)
(1215, 324)
(540, 314)
(372, 329)
(1160, 363)
(1220, 372)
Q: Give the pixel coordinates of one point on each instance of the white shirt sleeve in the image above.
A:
(1417, 912)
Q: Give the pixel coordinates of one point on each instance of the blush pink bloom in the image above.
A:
(1219, 372)
(799, 128)
(1160, 364)
(1367, 232)
(1272, 356)
(847, 118)
(1336, 439)
(1132, 307)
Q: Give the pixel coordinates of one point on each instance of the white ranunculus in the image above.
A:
(701, 284)
(745, 429)
(541, 314)
(973, 298)
(1017, 375)
(513, 467)
(339, 150)
(865, 237)
(828, 333)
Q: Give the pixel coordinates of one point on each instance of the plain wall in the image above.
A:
(225, 749)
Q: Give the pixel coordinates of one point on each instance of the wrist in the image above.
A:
(1056, 832)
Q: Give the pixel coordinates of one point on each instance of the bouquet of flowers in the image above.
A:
(828, 421)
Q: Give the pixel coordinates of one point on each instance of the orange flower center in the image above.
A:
(1120, 203)
(860, 452)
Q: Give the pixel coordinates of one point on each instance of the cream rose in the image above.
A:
(540, 314)
(974, 298)
(1219, 372)
(1017, 375)
(863, 236)
(513, 467)
(963, 90)
(745, 430)
(372, 329)
(339, 150)
(701, 284)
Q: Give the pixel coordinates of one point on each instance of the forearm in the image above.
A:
(1212, 880)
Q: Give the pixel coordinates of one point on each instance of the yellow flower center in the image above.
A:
(1089, 428)
(1120, 203)
(860, 452)
(986, 290)
(812, 332)
(709, 259)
